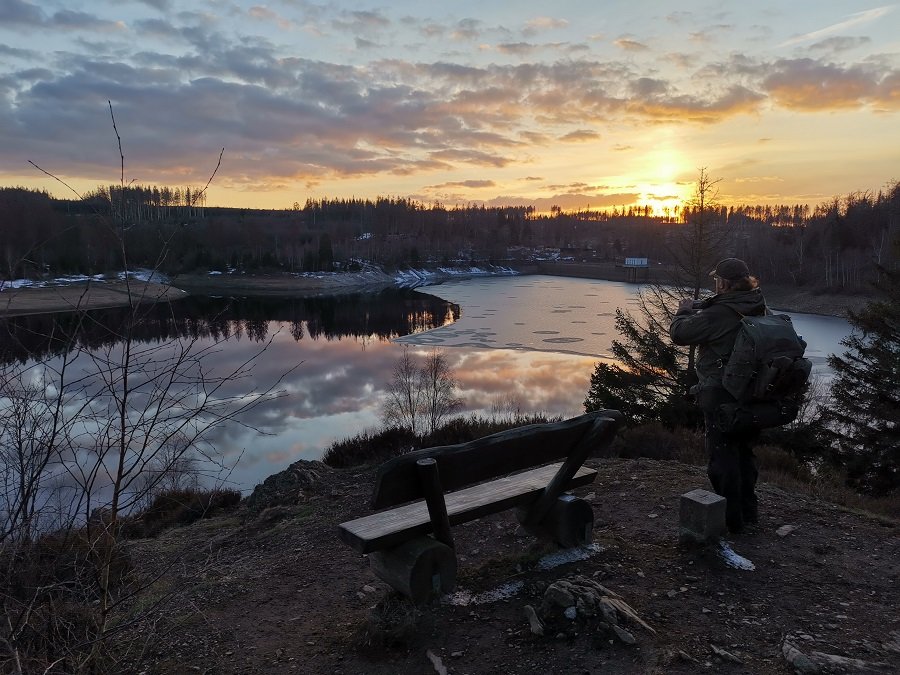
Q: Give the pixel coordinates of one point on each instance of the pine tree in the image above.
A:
(862, 421)
(652, 376)
(649, 380)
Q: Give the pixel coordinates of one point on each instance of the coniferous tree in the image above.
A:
(653, 376)
(862, 421)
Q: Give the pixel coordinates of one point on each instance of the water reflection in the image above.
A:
(380, 316)
(527, 343)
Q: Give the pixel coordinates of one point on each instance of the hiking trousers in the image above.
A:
(732, 465)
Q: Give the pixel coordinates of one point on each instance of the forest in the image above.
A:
(838, 244)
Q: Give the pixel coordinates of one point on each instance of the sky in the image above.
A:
(572, 103)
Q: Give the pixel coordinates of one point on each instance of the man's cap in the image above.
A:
(731, 269)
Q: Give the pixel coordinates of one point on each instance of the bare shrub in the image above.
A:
(655, 441)
(393, 623)
(369, 447)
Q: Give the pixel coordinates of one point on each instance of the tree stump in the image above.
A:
(569, 522)
(419, 568)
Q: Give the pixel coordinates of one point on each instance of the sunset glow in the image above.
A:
(586, 104)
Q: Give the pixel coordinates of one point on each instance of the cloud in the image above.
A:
(517, 48)
(475, 157)
(629, 45)
(467, 29)
(805, 84)
(13, 52)
(362, 43)
(361, 22)
(856, 19)
(580, 135)
(839, 44)
(70, 20)
(687, 108)
(464, 183)
(19, 13)
(161, 5)
(543, 23)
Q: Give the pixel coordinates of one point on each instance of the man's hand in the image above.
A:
(686, 305)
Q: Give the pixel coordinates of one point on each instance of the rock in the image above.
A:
(536, 626)
(571, 613)
(728, 656)
(609, 613)
(439, 667)
(797, 659)
(370, 589)
(833, 662)
(624, 635)
(785, 530)
(557, 595)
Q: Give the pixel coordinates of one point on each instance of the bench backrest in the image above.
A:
(506, 452)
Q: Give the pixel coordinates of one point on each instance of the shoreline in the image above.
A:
(104, 295)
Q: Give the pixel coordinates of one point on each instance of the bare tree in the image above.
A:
(438, 386)
(85, 437)
(420, 397)
(403, 405)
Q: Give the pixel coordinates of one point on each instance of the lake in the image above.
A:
(525, 343)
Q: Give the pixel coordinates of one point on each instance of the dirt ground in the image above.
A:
(21, 301)
(278, 593)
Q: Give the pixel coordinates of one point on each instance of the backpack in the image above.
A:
(766, 373)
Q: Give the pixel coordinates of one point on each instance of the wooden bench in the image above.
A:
(410, 545)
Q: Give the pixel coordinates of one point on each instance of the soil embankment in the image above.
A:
(276, 591)
(80, 296)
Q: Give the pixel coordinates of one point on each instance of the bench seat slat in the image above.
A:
(387, 528)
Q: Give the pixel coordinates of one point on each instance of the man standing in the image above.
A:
(713, 325)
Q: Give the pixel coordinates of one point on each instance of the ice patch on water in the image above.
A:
(568, 555)
(464, 598)
(732, 559)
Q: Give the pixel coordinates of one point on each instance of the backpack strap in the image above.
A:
(723, 359)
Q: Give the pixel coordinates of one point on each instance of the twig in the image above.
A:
(57, 178)
(215, 171)
(119, 139)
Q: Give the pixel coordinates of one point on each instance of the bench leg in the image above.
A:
(569, 522)
(419, 568)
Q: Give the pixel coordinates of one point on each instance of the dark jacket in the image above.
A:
(714, 327)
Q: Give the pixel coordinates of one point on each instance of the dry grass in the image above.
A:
(776, 466)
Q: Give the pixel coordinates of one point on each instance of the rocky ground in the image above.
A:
(270, 589)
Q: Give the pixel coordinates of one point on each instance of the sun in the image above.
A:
(660, 189)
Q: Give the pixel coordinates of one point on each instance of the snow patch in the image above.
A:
(568, 555)
(464, 598)
(140, 275)
(419, 277)
(732, 559)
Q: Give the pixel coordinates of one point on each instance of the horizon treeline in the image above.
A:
(837, 244)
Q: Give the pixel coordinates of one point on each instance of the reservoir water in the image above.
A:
(525, 344)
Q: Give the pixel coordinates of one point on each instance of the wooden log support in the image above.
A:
(419, 568)
(434, 498)
(601, 433)
(569, 522)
